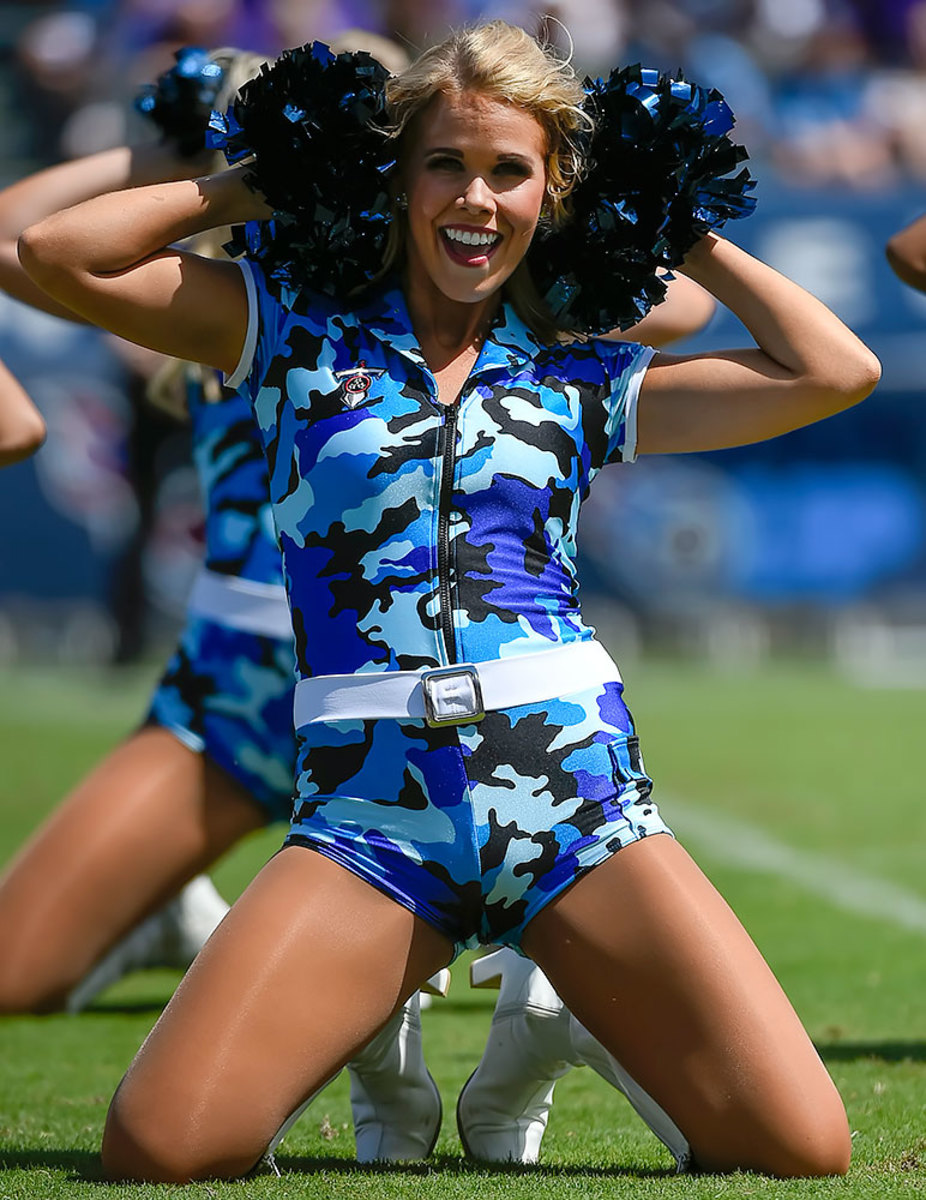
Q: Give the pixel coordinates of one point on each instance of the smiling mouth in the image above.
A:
(470, 247)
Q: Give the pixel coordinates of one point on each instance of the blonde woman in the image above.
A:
(109, 882)
(467, 768)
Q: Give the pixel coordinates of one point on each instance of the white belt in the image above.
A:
(241, 604)
(454, 695)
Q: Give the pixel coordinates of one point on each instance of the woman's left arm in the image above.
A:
(806, 364)
(686, 309)
(22, 429)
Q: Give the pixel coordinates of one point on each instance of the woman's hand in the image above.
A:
(806, 365)
(111, 259)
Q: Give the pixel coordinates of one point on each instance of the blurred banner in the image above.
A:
(833, 515)
(830, 515)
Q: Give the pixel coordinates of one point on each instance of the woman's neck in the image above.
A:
(445, 328)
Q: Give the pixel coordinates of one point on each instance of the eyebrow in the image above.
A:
(507, 156)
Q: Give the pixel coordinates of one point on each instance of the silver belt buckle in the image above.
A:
(452, 695)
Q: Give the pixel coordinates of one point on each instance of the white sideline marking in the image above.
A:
(736, 843)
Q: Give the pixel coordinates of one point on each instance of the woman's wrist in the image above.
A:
(231, 199)
(697, 262)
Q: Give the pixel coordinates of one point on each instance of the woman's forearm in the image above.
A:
(117, 230)
(113, 260)
(30, 200)
(795, 330)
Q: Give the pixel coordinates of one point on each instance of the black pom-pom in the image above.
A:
(310, 128)
(657, 180)
(180, 101)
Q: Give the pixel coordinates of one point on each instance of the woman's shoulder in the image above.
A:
(583, 352)
(294, 299)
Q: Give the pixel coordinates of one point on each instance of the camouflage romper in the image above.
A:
(416, 535)
(227, 692)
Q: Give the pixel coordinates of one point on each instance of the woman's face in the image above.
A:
(475, 177)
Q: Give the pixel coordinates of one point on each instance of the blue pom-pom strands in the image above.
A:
(180, 101)
(311, 129)
(657, 179)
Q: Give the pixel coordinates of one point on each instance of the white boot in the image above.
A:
(394, 1100)
(395, 1103)
(171, 937)
(437, 985)
(503, 1109)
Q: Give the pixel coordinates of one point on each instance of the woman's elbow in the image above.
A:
(40, 254)
(852, 378)
(22, 444)
(865, 373)
(908, 264)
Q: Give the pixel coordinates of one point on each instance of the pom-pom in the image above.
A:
(656, 181)
(311, 129)
(180, 101)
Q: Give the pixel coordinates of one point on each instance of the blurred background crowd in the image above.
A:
(826, 91)
(817, 541)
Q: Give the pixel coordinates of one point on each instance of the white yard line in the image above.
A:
(737, 843)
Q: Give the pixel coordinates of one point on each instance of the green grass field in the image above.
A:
(822, 854)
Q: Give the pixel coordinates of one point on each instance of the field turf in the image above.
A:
(820, 850)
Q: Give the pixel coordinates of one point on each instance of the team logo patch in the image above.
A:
(356, 383)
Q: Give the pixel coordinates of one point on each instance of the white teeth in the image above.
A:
(469, 238)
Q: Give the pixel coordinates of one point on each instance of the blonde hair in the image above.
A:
(389, 53)
(505, 63)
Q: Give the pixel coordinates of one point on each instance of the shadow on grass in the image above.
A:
(455, 1165)
(879, 1051)
(82, 1166)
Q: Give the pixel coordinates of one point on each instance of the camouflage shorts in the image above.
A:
(229, 695)
(476, 827)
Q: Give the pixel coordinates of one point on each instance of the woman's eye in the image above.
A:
(517, 169)
(444, 163)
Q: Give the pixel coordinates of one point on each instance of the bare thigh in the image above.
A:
(144, 821)
(655, 964)
(309, 964)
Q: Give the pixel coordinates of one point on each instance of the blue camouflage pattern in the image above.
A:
(226, 693)
(416, 535)
(240, 538)
(229, 695)
(476, 827)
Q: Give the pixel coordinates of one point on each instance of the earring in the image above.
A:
(401, 202)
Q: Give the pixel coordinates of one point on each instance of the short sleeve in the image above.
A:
(267, 316)
(625, 363)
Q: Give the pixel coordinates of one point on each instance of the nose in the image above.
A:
(477, 196)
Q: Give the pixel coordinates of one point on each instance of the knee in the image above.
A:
(28, 992)
(33, 977)
(812, 1146)
(824, 1150)
(793, 1141)
(145, 1144)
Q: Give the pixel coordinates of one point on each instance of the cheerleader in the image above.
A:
(103, 885)
(467, 769)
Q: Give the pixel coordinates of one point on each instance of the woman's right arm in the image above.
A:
(112, 260)
(22, 429)
(37, 196)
